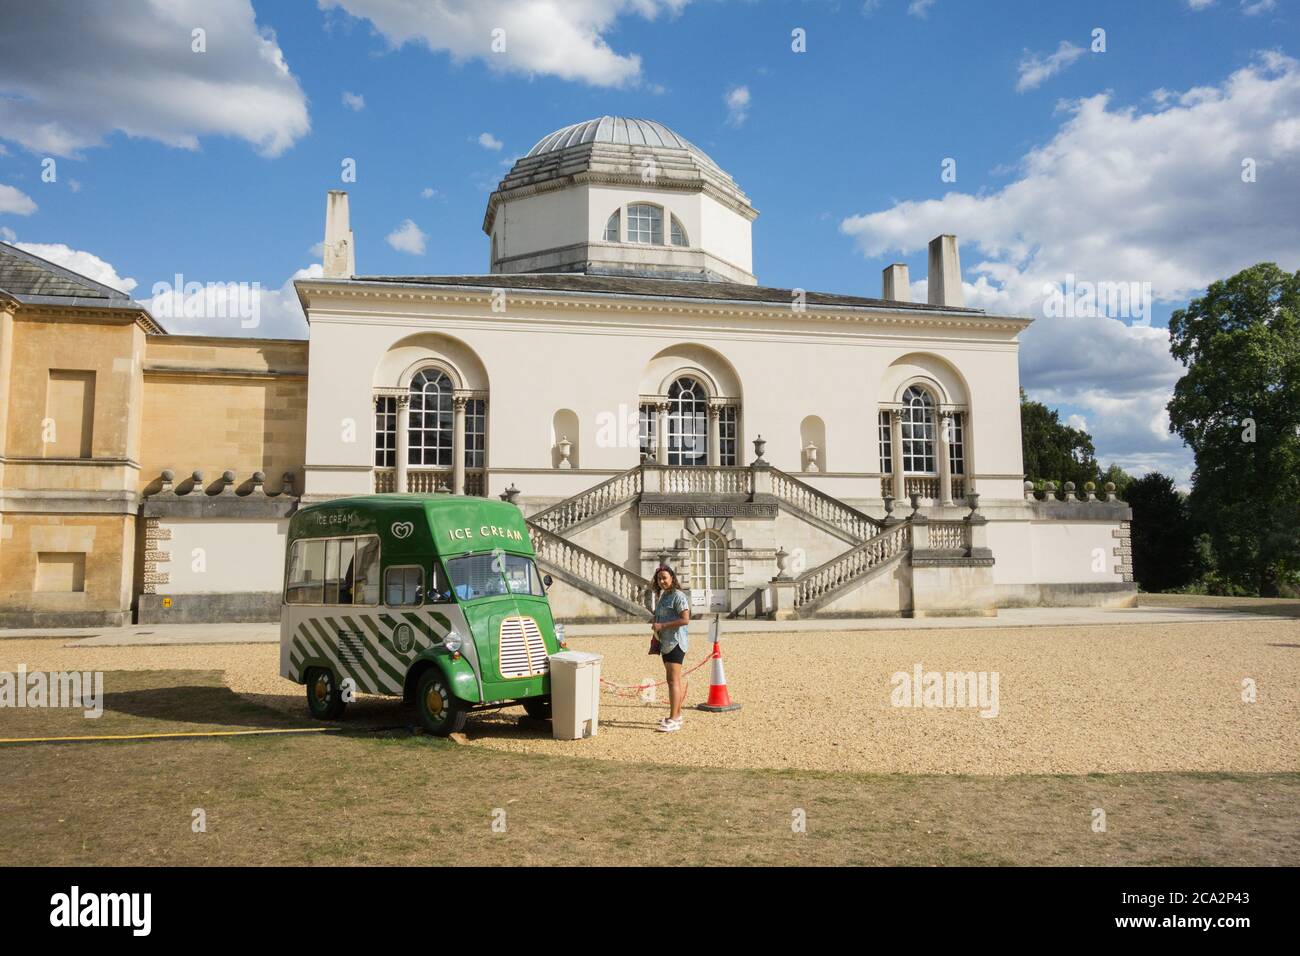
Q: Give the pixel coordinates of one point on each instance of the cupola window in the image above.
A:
(645, 223)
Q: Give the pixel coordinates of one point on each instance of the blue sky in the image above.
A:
(1119, 165)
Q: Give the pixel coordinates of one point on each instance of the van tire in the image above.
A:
(441, 712)
(324, 700)
(538, 708)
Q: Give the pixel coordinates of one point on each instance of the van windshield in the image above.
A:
(487, 575)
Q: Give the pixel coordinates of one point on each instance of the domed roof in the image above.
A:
(620, 130)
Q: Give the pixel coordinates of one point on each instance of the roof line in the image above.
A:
(956, 311)
(64, 272)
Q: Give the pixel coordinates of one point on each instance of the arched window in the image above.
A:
(688, 423)
(611, 227)
(709, 567)
(678, 233)
(430, 433)
(917, 419)
(645, 223)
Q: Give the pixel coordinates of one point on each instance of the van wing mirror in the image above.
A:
(547, 580)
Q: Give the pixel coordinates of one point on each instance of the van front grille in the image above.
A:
(521, 650)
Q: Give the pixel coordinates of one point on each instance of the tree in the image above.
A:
(1121, 479)
(1163, 538)
(1054, 451)
(1238, 408)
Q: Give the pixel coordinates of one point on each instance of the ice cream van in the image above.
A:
(432, 598)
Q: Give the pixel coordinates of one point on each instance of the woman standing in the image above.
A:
(672, 615)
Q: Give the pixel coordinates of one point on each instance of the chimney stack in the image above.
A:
(894, 283)
(340, 261)
(944, 281)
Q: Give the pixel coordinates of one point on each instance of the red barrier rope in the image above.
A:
(635, 690)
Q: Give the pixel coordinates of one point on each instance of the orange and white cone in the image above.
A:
(719, 700)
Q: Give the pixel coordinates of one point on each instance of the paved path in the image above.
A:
(143, 635)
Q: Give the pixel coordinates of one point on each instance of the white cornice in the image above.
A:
(339, 290)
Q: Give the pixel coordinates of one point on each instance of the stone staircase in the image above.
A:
(873, 545)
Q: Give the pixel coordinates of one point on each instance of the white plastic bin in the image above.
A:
(575, 695)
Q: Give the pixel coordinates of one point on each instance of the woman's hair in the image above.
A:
(674, 586)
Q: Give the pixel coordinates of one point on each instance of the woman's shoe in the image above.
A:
(667, 725)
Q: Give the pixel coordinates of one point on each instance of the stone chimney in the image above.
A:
(894, 283)
(944, 280)
(340, 260)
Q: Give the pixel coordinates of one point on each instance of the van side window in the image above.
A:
(439, 585)
(365, 575)
(306, 584)
(403, 587)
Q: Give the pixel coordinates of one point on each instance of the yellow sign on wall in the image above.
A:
(167, 602)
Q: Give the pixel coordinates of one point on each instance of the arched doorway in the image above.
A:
(709, 573)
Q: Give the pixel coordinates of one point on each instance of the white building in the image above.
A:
(618, 365)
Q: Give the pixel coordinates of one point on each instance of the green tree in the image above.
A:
(1118, 477)
(1054, 451)
(1238, 408)
(1163, 538)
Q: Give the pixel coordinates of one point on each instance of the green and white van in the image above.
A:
(431, 598)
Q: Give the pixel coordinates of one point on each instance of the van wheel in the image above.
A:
(323, 697)
(538, 708)
(441, 711)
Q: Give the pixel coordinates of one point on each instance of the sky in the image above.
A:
(1148, 148)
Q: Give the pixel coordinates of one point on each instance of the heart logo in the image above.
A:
(403, 529)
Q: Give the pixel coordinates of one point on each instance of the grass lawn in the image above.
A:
(391, 797)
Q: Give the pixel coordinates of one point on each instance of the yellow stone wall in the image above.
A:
(107, 541)
(212, 404)
(42, 342)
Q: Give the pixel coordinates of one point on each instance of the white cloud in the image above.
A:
(1034, 69)
(1254, 7)
(737, 100)
(1199, 4)
(8, 235)
(1123, 195)
(407, 237)
(130, 67)
(488, 141)
(232, 307)
(84, 263)
(564, 39)
(354, 101)
(428, 192)
(920, 8)
(16, 202)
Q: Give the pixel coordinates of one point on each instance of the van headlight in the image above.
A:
(452, 642)
(559, 636)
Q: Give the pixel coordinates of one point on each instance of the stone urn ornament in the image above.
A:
(811, 453)
(759, 445)
(566, 449)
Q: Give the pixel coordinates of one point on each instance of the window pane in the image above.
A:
(648, 431)
(645, 223)
(307, 585)
(727, 435)
(688, 423)
(331, 572)
(365, 588)
(611, 228)
(385, 431)
(678, 233)
(347, 573)
(486, 575)
(431, 419)
(402, 587)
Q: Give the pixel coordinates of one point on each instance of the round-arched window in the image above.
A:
(431, 427)
(688, 423)
(917, 420)
(709, 562)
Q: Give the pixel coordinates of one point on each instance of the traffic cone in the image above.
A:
(719, 700)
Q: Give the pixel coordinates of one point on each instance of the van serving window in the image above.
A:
(334, 571)
(403, 587)
(487, 575)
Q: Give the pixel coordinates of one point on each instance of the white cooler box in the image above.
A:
(575, 695)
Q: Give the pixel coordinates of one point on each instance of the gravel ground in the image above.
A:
(1070, 700)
